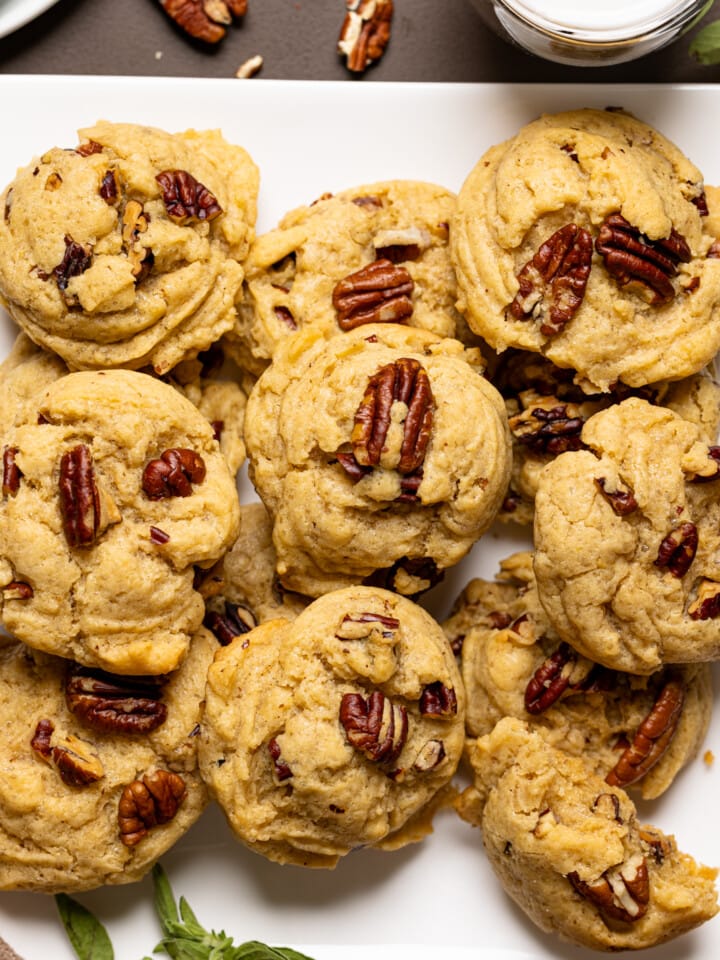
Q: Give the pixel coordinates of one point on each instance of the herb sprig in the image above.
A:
(184, 937)
(705, 46)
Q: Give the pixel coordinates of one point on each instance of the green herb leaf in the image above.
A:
(260, 951)
(705, 47)
(164, 897)
(88, 937)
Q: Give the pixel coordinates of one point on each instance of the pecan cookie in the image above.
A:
(127, 250)
(382, 449)
(104, 513)
(583, 238)
(335, 730)
(547, 410)
(99, 771)
(630, 730)
(627, 540)
(570, 852)
(377, 253)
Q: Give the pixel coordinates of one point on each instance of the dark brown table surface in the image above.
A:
(433, 40)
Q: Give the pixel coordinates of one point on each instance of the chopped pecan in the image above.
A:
(552, 284)
(367, 200)
(659, 845)
(678, 548)
(284, 315)
(11, 474)
(647, 265)
(621, 893)
(115, 704)
(173, 474)
(360, 627)
(548, 426)
(159, 536)
(608, 804)
(400, 245)
(700, 202)
(365, 32)
(88, 148)
(403, 381)
(76, 763)
(376, 727)
(235, 621)
(134, 223)
(282, 770)
(76, 260)
(204, 19)
(431, 754)
(79, 497)
(563, 671)
(148, 802)
(652, 738)
(378, 293)
(186, 199)
(438, 701)
(54, 181)
(17, 590)
(706, 605)
(110, 187)
(410, 576)
(621, 500)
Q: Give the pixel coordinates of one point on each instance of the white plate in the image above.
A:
(16, 13)
(439, 897)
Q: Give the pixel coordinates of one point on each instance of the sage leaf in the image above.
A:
(87, 936)
(253, 950)
(705, 47)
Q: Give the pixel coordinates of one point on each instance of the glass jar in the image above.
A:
(591, 33)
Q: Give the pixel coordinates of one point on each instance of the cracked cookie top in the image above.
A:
(584, 238)
(104, 513)
(126, 251)
(626, 536)
(333, 731)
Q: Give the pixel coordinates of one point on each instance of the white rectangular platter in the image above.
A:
(437, 898)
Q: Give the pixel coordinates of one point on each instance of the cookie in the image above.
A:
(514, 664)
(374, 253)
(104, 513)
(583, 238)
(335, 730)
(570, 852)
(127, 250)
(382, 449)
(99, 772)
(626, 536)
(547, 410)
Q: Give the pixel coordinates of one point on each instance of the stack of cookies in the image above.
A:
(402, 367)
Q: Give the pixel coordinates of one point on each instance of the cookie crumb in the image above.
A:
(709, 758)
(249, 68)
(158, 54)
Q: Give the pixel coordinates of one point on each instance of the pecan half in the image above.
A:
(552, 284)
(403, 381)
(76, 763)
(365, 32)
(79, 497)
(186, 199)
(76, 260)
(652, 738)
(621, 893)
(148, 802)
(173, 474)
(438, 701)
(375, 726)
(678, 548)
(11, 472)
(115, 704)
(548, 426)
(378, 293)
(282, 770)
(204, 19)
(235, 621)
(706, 605)
(621, 500)
(647, 265)
(563, 671)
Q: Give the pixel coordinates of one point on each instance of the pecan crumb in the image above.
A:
(249, 68)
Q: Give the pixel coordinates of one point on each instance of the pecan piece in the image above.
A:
(548, 426)
(115, 704)
(706, 605)
(148, 802)
(361, 626)
(365, 32)
(431, 754)
(410, 576)
(378, 293)
(621, 893)
(552, 284)
(79, 497)
(652, 738)
(438, 701)
(621, 500)
(204, 19)
(562, 671)
(376, 727)
(399, 245)
(173, 474)
(88, 148)
(186, 199)
(76, 260)
(11, 473)
(647, 265)
(235, 621)
(134, 223)
(17, 590)
(76, 763)
(110, 187)
(678, 548)
(404, 381)
(282, 770)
